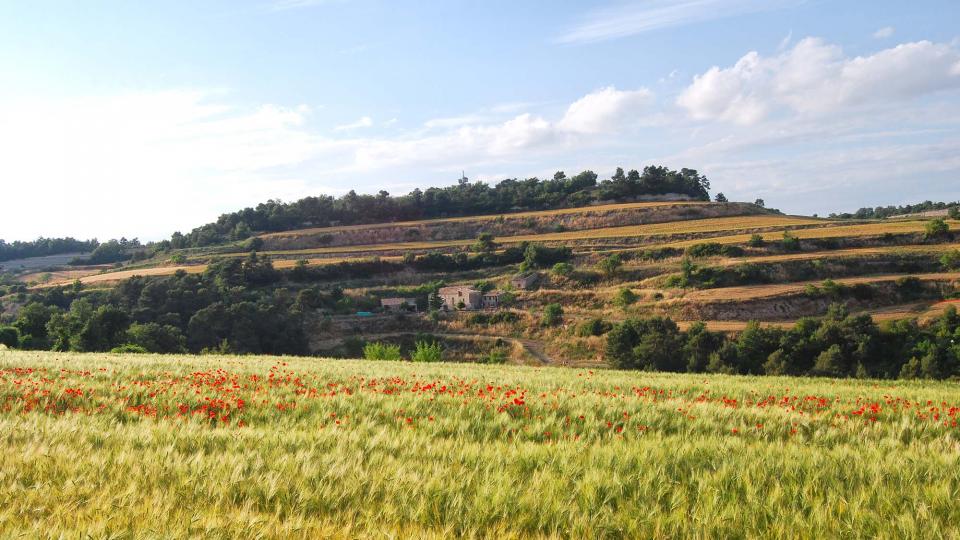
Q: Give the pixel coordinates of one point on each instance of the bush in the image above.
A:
(951, 260)
(954, 212)
(562, 269)
(937, 228)
(713, 249)
(381, 351)
(9, 336)
(756, 240)
(552, 315)
(496, 356)
(426, 352)
(594, 327)
(129, 348)
(610, 264)
(624, 298)
(790, 242)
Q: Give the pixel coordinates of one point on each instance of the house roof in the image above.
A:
(457, 288)
(493, 293)
(396, 301)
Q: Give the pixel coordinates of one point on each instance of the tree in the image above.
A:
(31, 323)
(760, 203)
(937, 228)
(562, 269)
(699, 345)
(951, 260)
(790, 242)
(9, 336)
(720, 198)
(484, 243)
(610, 264)
(954, 212)
(156, 338)
(625, 297)
(552, 314)
(756, 240)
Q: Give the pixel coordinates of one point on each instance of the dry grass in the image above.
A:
(516, 215)
(751, 292)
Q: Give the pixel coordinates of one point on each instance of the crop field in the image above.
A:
(491, 217)
(102, 445)
(831, 231)
(690, 226)
(777, 289)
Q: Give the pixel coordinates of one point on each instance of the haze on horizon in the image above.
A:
(138, 120)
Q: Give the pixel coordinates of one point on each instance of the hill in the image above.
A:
(221, 446)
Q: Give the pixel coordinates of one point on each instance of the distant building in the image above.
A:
(525, 281)
(460, 297)
(398, 304)
(492, 299)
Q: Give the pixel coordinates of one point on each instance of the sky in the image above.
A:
(139, 119)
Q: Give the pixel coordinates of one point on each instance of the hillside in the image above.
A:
(319, 290)
(221, 446)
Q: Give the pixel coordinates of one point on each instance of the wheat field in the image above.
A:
(140, 446)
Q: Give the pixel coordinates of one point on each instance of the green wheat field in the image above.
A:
(141, 446)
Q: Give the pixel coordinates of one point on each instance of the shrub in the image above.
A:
(178, 258)
(9, 336)
(496, 356)
(951, 260)
(594, 327)
(756, 240)
(954, 212)
(562, 269)
(624, 297)
(790, 242)
(552, 314)
(129, 348)
(713, 249)
(610, 264)
(936, 228)
(381, 351)
(427, 352)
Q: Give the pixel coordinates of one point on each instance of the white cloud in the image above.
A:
(815, 77)
(144, 164)
(605, 110)
(884, 32)
(622, 21)
(363, 122)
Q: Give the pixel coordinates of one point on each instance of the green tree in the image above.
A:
(937, 228)
(756, 240)
(760, 203)
(484, 243)
(562, 269)
(552, 314)
(954, 212)
(951, 260)
(625, 297)
(720, 198)
(9, 336)
(610, 264)
(157, 338)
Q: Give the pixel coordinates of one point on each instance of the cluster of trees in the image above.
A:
(837, 345)
(463, 199)
(44, 246)
(110, 252)
(887, 211)
(234, 306)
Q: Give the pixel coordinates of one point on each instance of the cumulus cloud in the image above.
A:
(605, 110)
(884, 32)
(816, 77)
(363, 122)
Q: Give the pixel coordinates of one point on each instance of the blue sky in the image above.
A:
(138, 119)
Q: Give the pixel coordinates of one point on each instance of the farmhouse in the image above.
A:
(525, 281)
(398, 304)
(492, 299)
(460, 297)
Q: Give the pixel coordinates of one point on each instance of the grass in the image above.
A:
(489, 217)
(225, 447)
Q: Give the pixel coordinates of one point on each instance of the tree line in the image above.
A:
(881, 212)
(838, 345)
(42, 247)
(463, 199)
